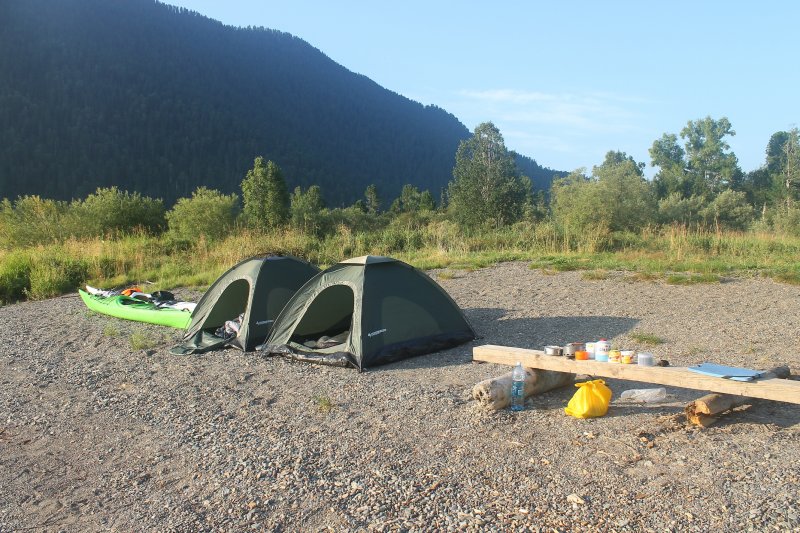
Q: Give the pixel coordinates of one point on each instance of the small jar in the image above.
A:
(645, 359)
(614, 356)
(581, 355)
(627, 356)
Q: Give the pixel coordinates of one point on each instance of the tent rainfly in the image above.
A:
(365, 312)
(256, 290)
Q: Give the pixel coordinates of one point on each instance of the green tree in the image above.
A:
(411, 200)
(616, 197)
(307, 209)
(373, 201)
(671, 178)
(575, 206)
(624, 193)
(676, 209)
(486, 188)
(705, 166)
(708, 155)
(729, 210)
(208, 212)
(265, 196)
(783, 163)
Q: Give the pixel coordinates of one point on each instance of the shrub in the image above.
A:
(32, 220)
(677, 209)
(109, 210)
(207, 212)
(729, 210)
(15, 277)
(787, 221)
(307, 210)
(54, 275)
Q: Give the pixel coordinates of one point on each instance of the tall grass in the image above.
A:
(47, 270)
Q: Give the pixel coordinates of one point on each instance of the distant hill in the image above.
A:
(160, 100)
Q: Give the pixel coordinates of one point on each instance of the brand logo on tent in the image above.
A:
(377, 332)
(263, 322)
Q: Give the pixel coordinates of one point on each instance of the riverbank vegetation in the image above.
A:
(699, 220)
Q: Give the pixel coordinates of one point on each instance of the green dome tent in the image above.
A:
(366, 312)
(256, 290)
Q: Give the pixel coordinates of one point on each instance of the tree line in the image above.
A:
(698, 184)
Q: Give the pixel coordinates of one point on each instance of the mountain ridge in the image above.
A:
(159, 99)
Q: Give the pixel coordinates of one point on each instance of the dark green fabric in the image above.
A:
(200, 342)
(257, 288)
(391, 310)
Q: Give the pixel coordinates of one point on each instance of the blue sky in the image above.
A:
(564, 83)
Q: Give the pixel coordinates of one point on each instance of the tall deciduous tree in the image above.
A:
(704, 167)
(265, 196)
(672, 177)
(708, 155)
(486, 187)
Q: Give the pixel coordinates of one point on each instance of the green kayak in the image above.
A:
(132, 309)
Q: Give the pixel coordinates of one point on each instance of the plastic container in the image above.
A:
(581, 355)
(518, 388)
(645, 395)
(590, 350)
(601, 349)
(645, 359)
(614, 356)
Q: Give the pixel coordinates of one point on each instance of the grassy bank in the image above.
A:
(676, 255)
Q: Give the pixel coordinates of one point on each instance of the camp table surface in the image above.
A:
(781, 390)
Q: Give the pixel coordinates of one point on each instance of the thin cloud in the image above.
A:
(585, 112)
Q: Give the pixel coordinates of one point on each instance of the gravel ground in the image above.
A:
(97, 435)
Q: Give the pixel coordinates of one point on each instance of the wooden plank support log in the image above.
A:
(777, 389)
(704, 411)
(495, 393)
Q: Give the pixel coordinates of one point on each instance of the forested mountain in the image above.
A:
(160, 100)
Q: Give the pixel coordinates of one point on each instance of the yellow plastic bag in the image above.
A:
(591, 400)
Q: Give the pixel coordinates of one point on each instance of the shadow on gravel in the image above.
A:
(491, 328)
(783, 415)
(560, 330)
(490, 325)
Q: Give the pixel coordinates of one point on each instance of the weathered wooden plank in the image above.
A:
(780, 390)
(703, 411)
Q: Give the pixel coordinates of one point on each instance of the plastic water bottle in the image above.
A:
(518, 388)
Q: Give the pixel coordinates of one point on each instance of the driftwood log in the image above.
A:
(495, 393)
(704, 411)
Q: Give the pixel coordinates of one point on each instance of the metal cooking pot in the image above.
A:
(553, 350)
(572, 347)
